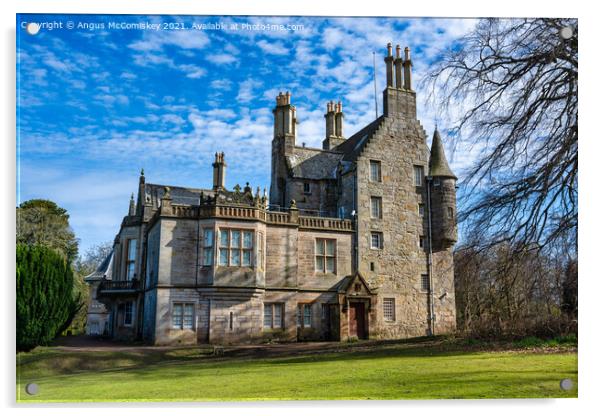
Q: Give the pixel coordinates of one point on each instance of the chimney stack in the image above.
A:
(389, 62)
(334, 125)
(338, 117)
(399, 100)
(219, 172)
(285, 120)
(407, 70)
(330, 120)
(398, 68)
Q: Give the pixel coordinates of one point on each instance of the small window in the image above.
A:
(375, 174)
(372, 267)
(376, 207)
(357, 287)
(421, 242)
(128, 314)
(450, 213)
(436, 182)
(304, 315)
(389, 309)
(326, 255)
(306, 188)
(183, 315)
(207, 255)
(418, 175)
(421, 210)
(272, 315)
(424, 282)
(376, 240)
(325, 311)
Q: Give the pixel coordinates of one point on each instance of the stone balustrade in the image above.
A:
(255, 214)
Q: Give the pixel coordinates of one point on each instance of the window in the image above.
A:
(389, 309)
(376, 207)
(325, 311)
(436, 182)
(306, 188)
(376, 240)
(450, 213)
(272, 315)
(424, 282)
(304, 315)
(418, 175)
(183, 316)
(235, 248)
(207, 247)
(260, 250)
(128, 314)
(421, 210)
(372, 267)
(421, 242)
(375, 175)
(325, 255)
(130, 264)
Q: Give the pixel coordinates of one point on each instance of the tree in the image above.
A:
(45, 301)
(43, 222)
(502, 292)
(94, 256)
(511, 88)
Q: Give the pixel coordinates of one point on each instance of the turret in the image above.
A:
(334, 125)
(219, 172)
(442, 183)
(398, 98)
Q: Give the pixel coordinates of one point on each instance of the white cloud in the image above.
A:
(272, 48)
(221, 84)
(156, 41)
(220, 58)
(246, 90)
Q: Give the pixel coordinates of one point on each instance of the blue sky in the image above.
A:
(96, 105)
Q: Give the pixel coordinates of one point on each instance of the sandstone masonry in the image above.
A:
(354, 241)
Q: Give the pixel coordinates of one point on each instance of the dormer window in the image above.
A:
(306, 188)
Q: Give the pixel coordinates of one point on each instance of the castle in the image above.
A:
(354, 241)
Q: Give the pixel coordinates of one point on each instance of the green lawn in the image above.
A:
(383, 372)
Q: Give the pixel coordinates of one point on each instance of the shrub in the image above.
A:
(45, 301)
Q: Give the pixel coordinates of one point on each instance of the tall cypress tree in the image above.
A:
(45, 300)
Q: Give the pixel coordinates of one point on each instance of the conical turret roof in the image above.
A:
(438, 165)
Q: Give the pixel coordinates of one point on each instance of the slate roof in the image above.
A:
(309, 163)
(354, 145)
(103, 271)
(438, 165)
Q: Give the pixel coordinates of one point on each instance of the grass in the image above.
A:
(378, 372)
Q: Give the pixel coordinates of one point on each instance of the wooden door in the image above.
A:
(357, 320)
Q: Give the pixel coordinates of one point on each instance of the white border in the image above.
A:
(590, 149)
